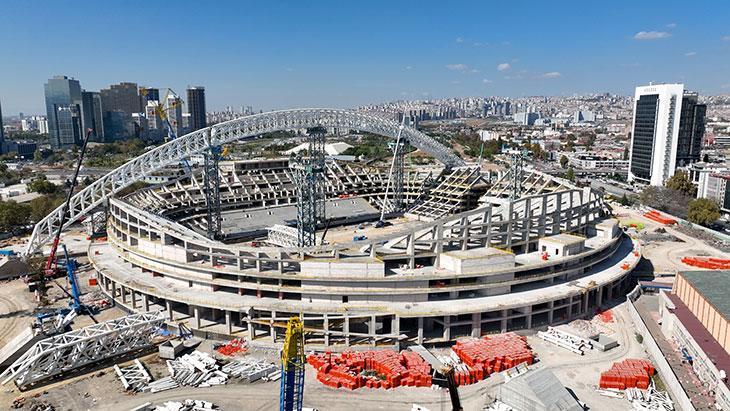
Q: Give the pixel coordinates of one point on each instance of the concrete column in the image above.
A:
(476, 325)
(251, 333)
(570, 307)
(123, 294)
(133, 294)
(551, 311)
(420, 330)
(371, 329)
(585, 302)
(503, 322)
(346, 330)
(272, 330)
(196, 315)
(168, 306)
(326, 328)
(113, 292)
(599, 296)
(447, 327)
(145, 302)
(229, 324)
(395, 328)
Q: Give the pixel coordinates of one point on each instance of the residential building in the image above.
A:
(63, 109)
(92, 115)
(525, 118)
(196, 107)
(667, 132)
(591, 161)
(147, 94)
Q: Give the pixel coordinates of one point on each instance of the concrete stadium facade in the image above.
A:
(548, 257)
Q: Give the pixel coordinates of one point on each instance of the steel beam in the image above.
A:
(75, 349)
(199, 141)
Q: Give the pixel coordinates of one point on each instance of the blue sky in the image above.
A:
(345, 53)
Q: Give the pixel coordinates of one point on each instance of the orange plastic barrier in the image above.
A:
(491, 354)
(657, 216)
(711, 263)
(629, 373)
(383, 369)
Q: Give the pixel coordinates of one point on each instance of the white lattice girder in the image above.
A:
(223, 133)
(87, 345)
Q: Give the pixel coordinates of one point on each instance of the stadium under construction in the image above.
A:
(364, 255)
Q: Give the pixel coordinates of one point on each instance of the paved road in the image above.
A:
(647, 306)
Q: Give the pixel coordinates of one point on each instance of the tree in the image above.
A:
(37, 156)
(570, 175)
(42, 206)
(13, 215)
(703, 211)
(564, 161)
(42, 186)
(706, 158)
(626, 154)
(624, 201)
(681, 182)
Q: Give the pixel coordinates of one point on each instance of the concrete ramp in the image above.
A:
(15, 347)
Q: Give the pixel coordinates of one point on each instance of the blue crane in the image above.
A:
(292, 367)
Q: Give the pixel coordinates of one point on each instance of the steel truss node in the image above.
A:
(199, 141)
(75, 349)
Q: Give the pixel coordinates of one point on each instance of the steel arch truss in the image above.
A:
(74, 349)
(223, 133)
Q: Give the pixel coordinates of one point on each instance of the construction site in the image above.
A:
(344, 284)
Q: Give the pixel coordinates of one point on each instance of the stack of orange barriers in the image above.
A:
(708, 262)
(490, 354)
(389, 369)
(629, 373)
(657, 216)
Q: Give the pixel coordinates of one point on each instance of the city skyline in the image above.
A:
(280, 56)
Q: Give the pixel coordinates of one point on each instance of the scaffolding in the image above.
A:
(212, 182)
(309, 183)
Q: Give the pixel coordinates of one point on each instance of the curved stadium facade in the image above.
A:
(464, 259)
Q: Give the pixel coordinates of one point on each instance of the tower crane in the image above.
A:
(391, 175)
(161, 110)
(292, 367)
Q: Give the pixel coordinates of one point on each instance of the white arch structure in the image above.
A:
(223, 133)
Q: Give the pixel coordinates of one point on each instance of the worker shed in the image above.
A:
(537, 390)
(562, 245)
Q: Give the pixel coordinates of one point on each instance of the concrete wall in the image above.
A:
(665, 370)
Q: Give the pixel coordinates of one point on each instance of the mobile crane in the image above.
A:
(292, 367)
(50, 269)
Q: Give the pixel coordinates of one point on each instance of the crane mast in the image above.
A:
(292, 367)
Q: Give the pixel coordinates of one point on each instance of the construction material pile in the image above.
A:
(649, 400)
(134, 377)
(659, 218)
(372, 369)
(489, 354)
(711, 263)
(629, 373)
(234, 347)
(187, 405)
(197, 369)
(571, 342)
(251, 369)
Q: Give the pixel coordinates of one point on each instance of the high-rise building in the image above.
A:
(121, 97)
(2, 132)
(196, 107)
(92, 115)
(667, 132)
(63, 107)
